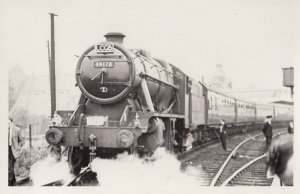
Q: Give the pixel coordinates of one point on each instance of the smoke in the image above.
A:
(49, 170)
(161, 174)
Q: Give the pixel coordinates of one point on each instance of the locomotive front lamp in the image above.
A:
(92, 137)
(54, 136)
(125, 138)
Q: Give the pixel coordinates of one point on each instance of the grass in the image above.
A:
(29, 156)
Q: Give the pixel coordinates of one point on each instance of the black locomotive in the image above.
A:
(133, 102)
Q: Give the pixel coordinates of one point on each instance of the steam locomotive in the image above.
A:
(133, 102)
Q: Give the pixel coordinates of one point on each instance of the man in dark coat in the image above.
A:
(223, 134)
(267, 130)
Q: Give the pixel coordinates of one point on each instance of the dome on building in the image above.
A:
(219, 80)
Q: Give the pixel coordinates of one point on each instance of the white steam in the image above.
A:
(129, 173)
(49, 170)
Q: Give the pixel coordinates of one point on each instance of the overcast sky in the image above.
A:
(253, 39)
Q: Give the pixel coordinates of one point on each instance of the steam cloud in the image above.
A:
(49, 170)
(130, 174)
(127, 174)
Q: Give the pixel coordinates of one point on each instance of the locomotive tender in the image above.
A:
(133, 102)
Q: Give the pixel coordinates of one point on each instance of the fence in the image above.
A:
(36, 130)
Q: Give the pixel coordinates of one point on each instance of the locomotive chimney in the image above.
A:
(116, 37)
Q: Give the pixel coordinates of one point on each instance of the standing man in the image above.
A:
(267, 130)
(223, 134)
(15, 143)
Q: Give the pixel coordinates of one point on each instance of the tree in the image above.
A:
(11, 95)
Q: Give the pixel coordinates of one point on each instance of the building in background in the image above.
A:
(32, 106)
(270, 95)
(219, 81)
(261, 94)
(17, 78)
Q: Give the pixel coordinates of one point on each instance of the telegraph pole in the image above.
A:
(52, 67)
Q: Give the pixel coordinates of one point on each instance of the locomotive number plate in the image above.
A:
(104, 64)
(97, 120)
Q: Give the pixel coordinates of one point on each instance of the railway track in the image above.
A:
(253, 173)
(240, 155)
(217, 165)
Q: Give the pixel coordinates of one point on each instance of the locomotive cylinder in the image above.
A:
(154, 137)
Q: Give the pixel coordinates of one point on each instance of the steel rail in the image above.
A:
(242, 169)
(228, 180)
(217, 176)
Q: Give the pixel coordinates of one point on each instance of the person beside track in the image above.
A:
(15, 143)
(223, 134)
(268, 131)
